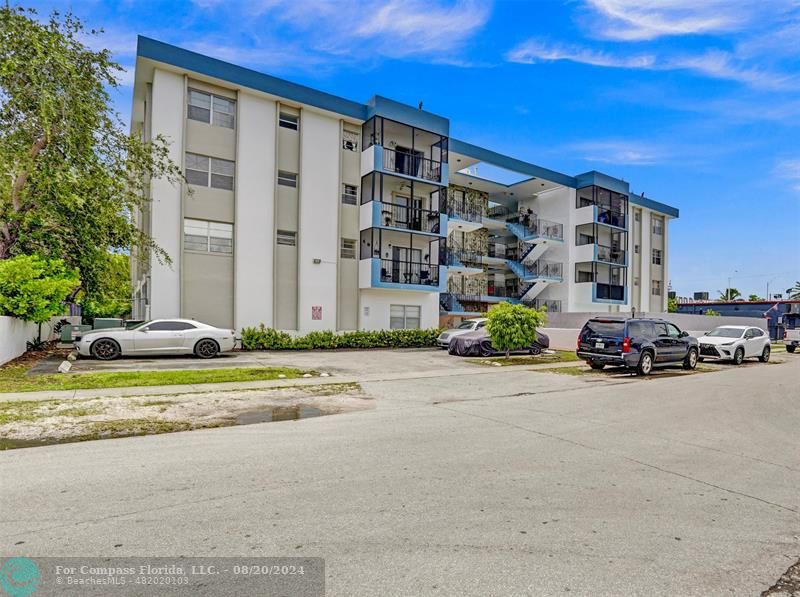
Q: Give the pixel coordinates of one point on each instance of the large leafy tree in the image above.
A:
(71, 176)
(112, 296)
(33, 288)
(514, 326)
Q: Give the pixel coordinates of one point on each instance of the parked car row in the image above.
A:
(640, 344)
(644, 344)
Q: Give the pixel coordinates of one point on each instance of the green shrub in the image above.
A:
(264, 338)
(514, 326)
(33, 288)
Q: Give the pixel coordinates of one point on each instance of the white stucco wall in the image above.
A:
(167, 227)
(375, 307)
(254, 225)
(14, 334)
(318, 236)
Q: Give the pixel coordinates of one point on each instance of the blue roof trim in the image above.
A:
(509, 163)
(219, 69)
(388, 108)
(593, 177)
(663, 208)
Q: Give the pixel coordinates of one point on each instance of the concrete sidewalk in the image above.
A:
(473, 369)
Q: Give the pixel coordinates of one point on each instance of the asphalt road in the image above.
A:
(510, 482)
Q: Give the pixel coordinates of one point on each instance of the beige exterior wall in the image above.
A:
(208, 288)
(287, 152)
(347, 287)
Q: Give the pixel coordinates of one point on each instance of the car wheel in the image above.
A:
(206, 349)
(535, 350)
(105, 349)
(690, 362)
(597, 366)
(738, 356)
(486, 350)
(790, 348)
(645, 366)
(765, 354)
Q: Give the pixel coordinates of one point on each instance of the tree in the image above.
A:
(33, 288)
(112, 296)
(672, 305)
(754, 298)
(729, 294)
(71, 177)
(795, 291)
(514, 326)
(712, 313)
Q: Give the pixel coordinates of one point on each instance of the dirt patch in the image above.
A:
(788, 585)
(32, 423)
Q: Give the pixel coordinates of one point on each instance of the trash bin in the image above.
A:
(71, 333)
(103, 323)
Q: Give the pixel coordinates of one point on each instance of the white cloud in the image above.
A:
(621, 152)
(789, 169)
(635, 20)
(717, 64)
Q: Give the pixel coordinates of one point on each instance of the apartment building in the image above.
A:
(307, 211)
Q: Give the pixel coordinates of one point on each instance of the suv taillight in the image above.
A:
(626, 345)
(785, 334)
(579, 341)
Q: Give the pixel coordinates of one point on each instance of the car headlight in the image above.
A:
(727, 344)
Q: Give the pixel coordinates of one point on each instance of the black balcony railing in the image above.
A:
(610, 216)
(547, 269)
(469, 213)
(394, 215)
(610, 292)
(552, 305)
(459, 256)
(536, 227)
(409, 272)
(610, 255)
(411, 164)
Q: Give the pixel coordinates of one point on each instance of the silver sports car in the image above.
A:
(157, 337)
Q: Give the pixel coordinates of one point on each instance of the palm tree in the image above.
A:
(795, 291)
(729, 294)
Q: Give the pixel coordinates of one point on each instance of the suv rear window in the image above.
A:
(640, 329)
(605, 328)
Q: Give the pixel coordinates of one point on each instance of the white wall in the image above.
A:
(318, 232)
(254, 236)
(375, 307)
(14, 333)
(167, 226)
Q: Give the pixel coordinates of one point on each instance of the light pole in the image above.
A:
(728, 292)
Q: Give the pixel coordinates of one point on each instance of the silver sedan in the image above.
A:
(157, 337)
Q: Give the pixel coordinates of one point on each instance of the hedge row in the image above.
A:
(264, 338)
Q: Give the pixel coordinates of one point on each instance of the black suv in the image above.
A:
(638, 344)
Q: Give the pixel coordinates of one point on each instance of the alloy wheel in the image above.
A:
(206, 349)
(105, 349)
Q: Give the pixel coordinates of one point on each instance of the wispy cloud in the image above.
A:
(789, 169)
(620, 152)
(714, 63)
(634, 20)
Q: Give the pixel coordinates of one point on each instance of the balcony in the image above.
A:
(609, 292)
(527, 229)
(395, 215)
(547, 270)
(552, 306)
(411, 164)
(608, 254)
(466, 212)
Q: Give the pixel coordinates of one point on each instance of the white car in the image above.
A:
(468, 325)
(735, 343)
(157, 337)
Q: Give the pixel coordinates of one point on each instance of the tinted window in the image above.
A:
(482, 324)
(673, 331)
(640, 329)
(661, 329)
(169, 326)
(757, 332)
(605, 328)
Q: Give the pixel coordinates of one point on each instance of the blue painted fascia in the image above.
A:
(503, 161)
(388, 108)
(593, 177)
(245, 77)
(663, 208)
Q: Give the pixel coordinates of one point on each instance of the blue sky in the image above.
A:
(695, 102)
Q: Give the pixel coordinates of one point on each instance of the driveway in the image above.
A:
(504, 482)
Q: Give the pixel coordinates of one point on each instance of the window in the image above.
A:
(287, 179)
(289, 121)
(661, 329)
(350, 140)
(636, 249)
(673, 331)
(636, 281)
(169, 326)
(656, 288)
(211, 109)
(349, 194)
(286, 237)
(204, 171)
(207, 237)
(658, 226)
(637, 215)
(404, 317)
(348, 248)
(656, 256)
(640, 329)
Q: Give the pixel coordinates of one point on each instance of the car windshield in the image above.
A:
(605, 328)
(466, 325)
(726, 333)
